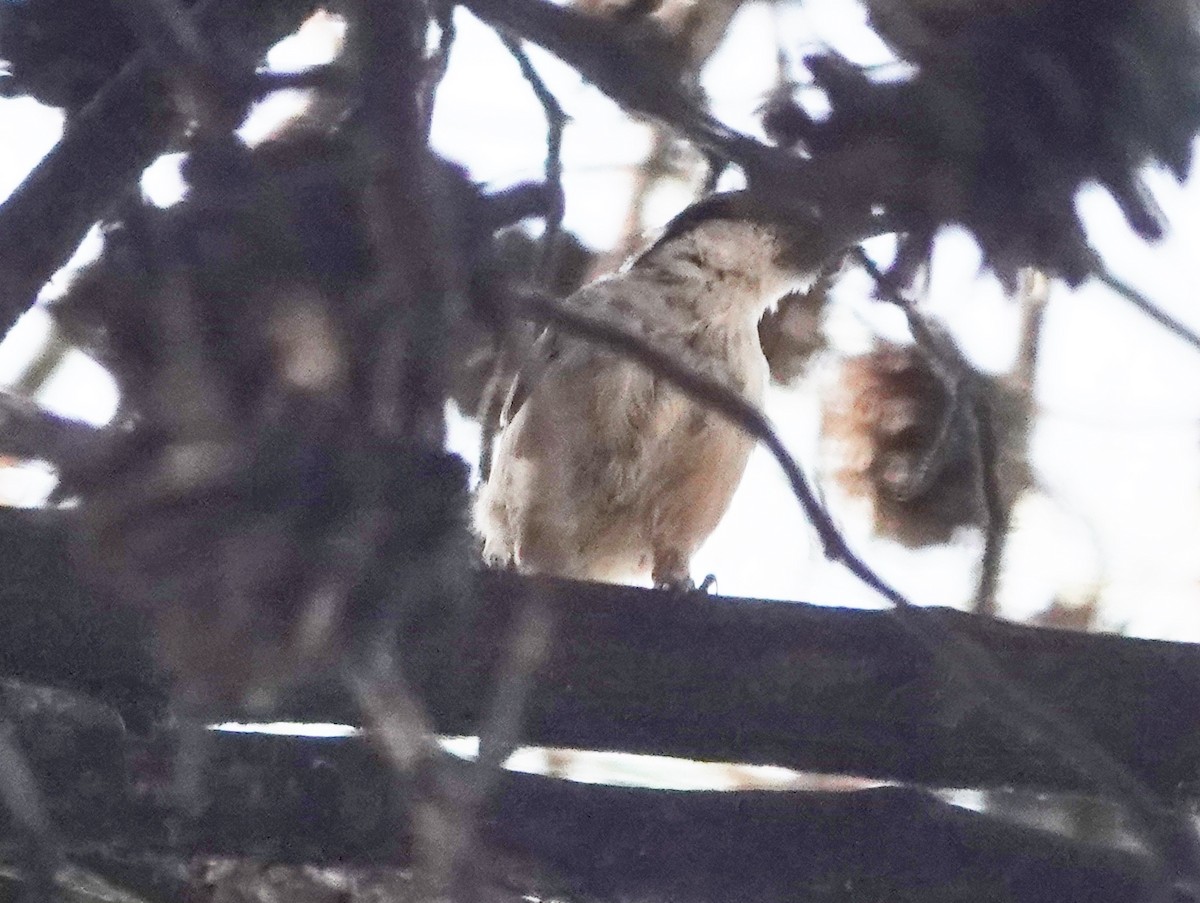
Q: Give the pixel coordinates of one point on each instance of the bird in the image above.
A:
(603, 470)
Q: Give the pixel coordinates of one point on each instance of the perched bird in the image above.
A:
(604, 471)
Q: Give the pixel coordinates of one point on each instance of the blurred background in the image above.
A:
(1105, 518)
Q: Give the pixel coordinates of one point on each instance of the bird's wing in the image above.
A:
(545, 349)
(548, 348)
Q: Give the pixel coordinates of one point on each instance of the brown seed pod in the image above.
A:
(791, 334)
(896, 447)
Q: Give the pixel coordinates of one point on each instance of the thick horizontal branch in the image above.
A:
(292, 799)
(829, 689)
(55, 630)
(104, 150)
(810, 687)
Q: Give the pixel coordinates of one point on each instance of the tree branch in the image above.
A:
(29, 431)
(291, 799)
(104, 150)
(809, 687)
(556, 121)
(633, 76)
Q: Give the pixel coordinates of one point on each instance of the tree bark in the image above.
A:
(701, 677)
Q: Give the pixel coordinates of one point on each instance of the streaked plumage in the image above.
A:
(604, 471)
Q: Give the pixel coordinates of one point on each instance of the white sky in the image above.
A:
(1117, 445)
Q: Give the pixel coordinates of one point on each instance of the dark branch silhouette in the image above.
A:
(331, 802)
(103, 152)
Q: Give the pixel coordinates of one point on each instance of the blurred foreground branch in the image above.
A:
(105, 148)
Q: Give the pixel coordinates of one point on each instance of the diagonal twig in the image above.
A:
(997, 514)
(496, 389)
(499, 734)
(636, 79)
(1179, 838)
(962, 384)
(556, 121)
(1012, 395)
(1170, 836)
(1108, 279)
(402, 731)
(721, 399)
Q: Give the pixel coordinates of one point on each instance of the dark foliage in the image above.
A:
(250, 478)
(62, 53)
(1014, 107)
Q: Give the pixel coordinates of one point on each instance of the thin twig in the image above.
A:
(997, 514)
(968, 400)
(1106, 278)
(1169, 834)
(556, 121)
(502, 209)
(328, 77)
(721, 399)
(399, 723)
(402, 731)
(634, 78)
(499, 734)
(960, 381)
(595, 47)
(1015, 394)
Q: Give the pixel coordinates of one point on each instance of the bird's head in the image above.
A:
(736, 235)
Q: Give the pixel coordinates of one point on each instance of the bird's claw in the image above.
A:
(685, 586)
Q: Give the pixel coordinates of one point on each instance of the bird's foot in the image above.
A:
(680, 586)
(685, 586)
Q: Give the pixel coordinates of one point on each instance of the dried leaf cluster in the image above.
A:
(1010, 109)
(895, 448)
